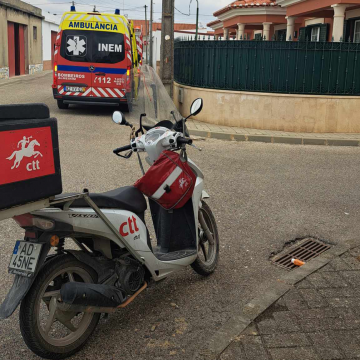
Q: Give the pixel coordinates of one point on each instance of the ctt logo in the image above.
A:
(26, 151)
(27, 154)
(128, 227)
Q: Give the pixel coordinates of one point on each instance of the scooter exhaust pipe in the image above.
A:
(93, 298)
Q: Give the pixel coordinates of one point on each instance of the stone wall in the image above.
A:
(270, 111)
(35, 68)
(4, 73)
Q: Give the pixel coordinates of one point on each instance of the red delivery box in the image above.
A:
(29, 155)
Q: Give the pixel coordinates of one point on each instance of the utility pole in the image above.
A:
(167, 45)
(147, 37)
(197, 20)
(151, 33)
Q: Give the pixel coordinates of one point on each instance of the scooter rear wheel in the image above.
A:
(208, 251)
(47, 331)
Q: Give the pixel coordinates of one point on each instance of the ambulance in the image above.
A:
(139, 43)
(136, 59)
(95, 60)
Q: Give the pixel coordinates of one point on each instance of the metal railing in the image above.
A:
(293, 67)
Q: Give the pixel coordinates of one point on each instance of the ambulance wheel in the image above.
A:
(61, 105)
(208, 251)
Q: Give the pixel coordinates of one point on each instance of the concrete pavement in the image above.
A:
(262, 195)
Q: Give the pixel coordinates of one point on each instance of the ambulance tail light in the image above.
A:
(128, 71)
(55, 73)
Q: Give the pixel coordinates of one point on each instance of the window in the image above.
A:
(315, 33)
(357, 31)
(92, 46)
(35, 32)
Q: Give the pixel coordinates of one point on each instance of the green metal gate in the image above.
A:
(298, 67)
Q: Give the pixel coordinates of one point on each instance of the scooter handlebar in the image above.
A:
(182, 140)
(121, 149)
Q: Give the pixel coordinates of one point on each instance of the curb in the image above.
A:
(25, 77)
(242, 319)
(276, 139)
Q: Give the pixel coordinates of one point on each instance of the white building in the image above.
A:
(177, 34)
(50, 28)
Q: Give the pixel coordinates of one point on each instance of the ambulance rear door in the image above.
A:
(110, 62)
(74, 75)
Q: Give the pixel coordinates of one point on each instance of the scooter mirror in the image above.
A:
(118, 118)
(196, 107)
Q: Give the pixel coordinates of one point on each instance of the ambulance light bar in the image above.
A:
(117, 11)
(72, 8)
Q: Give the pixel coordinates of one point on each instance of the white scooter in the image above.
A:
(64, 292)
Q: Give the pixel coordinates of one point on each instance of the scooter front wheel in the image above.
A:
(48, 331)
(208, 250)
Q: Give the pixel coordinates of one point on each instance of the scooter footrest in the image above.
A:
(175, 255)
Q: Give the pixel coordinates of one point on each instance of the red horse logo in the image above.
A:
(25, 151)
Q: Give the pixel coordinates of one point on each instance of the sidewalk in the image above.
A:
(317, 317)
(199, 128)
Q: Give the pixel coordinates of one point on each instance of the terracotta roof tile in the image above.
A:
(245, 4)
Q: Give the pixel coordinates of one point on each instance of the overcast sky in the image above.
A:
(135, 8)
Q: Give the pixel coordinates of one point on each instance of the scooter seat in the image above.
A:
(124, 198)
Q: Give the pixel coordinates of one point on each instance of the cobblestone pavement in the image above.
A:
(318, 319)
(246, 134)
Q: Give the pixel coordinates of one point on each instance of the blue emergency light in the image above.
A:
(72, 8)
(117, 11)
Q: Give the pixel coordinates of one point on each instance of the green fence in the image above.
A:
(328, 68)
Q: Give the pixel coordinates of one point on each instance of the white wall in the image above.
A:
(47, 27)
(314, 21)
(157, 41)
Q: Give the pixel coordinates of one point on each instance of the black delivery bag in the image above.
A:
(29, 154)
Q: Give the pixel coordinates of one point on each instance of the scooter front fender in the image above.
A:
(205, 195)
(21, 286)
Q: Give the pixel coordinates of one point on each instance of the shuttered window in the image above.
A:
(324, 32)
(357, 31)
(315, 33)
(302, 34)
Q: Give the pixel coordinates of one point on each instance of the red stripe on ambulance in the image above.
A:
(108, 93)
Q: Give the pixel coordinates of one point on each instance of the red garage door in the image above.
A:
(11, 50)
(16, 49)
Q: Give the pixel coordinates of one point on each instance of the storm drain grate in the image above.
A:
(307, 250)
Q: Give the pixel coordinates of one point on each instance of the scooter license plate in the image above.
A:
(24, 258)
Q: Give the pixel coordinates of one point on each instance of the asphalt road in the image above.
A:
(262, 195)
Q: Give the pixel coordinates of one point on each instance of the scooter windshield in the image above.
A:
(155, 101)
